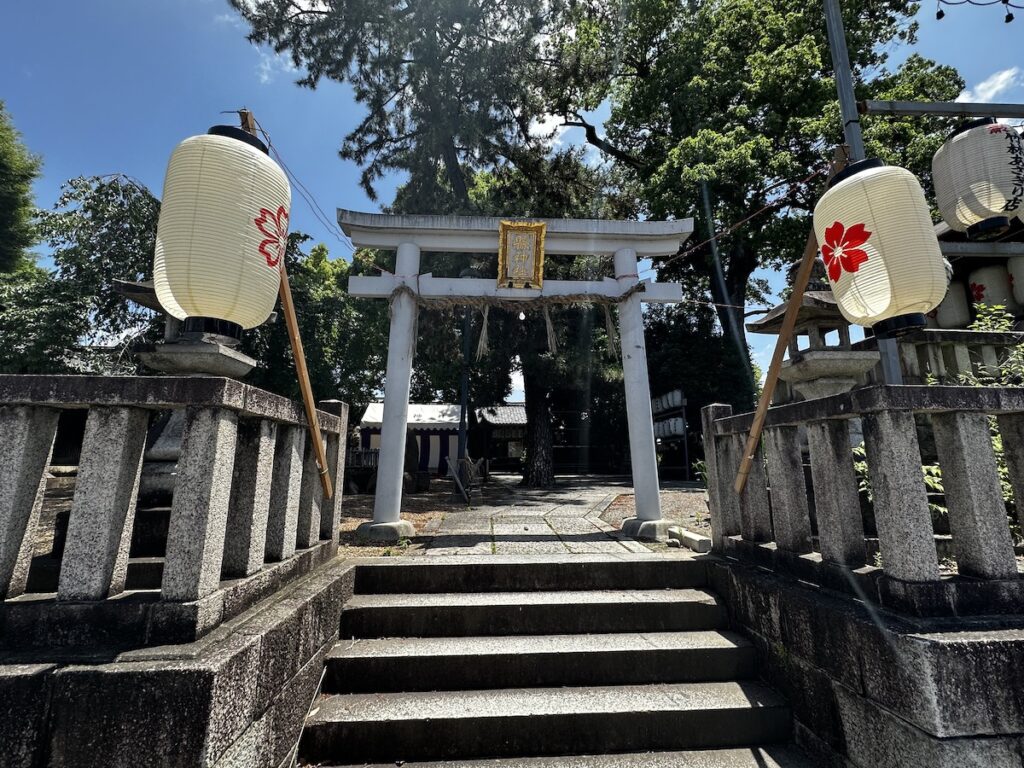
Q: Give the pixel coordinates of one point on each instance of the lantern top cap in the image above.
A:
(232, 132)
(854, 168)
(969, 125)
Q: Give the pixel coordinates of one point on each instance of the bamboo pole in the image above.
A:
(796, 298)
(304, 385)
(292, 323)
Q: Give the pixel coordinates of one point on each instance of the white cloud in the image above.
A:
(549, 127)
(232, 19)
(271, 64)
(994, 86)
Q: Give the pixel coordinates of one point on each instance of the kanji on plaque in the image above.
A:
(521, 254)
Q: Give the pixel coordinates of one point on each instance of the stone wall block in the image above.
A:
(901, 505)
(285, 489)
(790, 515)
(245, 538)
(199, 513)
(974, 496)
(26, 438)
(311, 496)
(95, 560)
(24, 694)
(836, 501)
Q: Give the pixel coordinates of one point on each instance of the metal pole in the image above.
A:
(887, 349)
(844, 80)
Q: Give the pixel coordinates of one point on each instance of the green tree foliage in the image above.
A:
(69, 320)
(18, 169)
(345, 339)
(444, 82)
(738, 94)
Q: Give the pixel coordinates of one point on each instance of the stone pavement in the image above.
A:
(510, 520)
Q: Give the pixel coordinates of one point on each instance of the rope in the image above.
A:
(552, 338)
(481, 347)
(540, 302)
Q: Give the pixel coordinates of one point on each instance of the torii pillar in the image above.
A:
(627, 241)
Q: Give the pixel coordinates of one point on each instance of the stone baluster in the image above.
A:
(282, 526)
(311, 496)
(910, 360)
(721, 468)
(989, 360)
(1011, 428)
(199, 512)
(788, 489)
(974, 496)
(962, 360)
(936, 364)
(330, 509)
(755, 510)
(245, 538)
(26, 435)
(901, 505)
(836, 501)
(95, 561)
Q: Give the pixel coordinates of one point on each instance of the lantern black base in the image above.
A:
(989, 229)
(899, 325)
(200, 328)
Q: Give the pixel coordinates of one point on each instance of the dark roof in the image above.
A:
(504, 415)
(818, 308)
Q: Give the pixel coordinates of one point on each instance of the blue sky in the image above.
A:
(103, 86)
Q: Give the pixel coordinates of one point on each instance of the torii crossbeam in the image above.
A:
(626, 241)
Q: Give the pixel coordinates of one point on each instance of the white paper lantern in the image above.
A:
(223, 229)
(879, 247)
(954, 311)
(979, 178)
(1015, 266)
(992, 285)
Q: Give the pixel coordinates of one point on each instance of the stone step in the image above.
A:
(531, 574)
(530, 613)
(757, 757)
(444, 663)
(528, 722)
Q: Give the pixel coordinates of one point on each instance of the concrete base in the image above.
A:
(386, 533)
(197, 358)
(647, 530)
(692, 541)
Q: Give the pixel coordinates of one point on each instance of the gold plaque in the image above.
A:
(521, 254)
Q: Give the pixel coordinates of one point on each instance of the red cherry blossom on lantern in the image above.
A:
(978, 291)
(997, 128)
(841, 250)
(274, 227)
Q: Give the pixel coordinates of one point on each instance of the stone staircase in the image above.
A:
(491, 662)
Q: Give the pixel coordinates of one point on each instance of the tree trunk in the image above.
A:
(539, 470)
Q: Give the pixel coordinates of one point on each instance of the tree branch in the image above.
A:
(602, 144)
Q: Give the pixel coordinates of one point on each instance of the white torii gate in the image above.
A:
(627, 241)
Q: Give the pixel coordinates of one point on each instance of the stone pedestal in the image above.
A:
(206, 357)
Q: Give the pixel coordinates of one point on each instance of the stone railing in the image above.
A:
(247, 511)
(770, 522)
(943, 356)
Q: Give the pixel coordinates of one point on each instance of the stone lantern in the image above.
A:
(821, 369)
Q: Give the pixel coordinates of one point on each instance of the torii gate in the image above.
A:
(627, 241)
